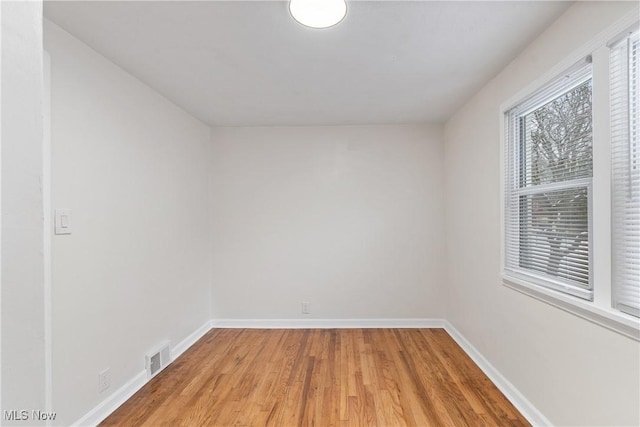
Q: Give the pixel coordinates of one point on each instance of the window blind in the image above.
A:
(548, 185)
(625, 158)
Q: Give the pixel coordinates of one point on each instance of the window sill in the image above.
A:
(621, 323)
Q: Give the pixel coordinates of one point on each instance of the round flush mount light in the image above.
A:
(318, 13)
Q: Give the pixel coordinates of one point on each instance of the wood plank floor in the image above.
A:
(320, 377)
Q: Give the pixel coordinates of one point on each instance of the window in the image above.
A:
(549, 174)
(625, 166)
(572, 185)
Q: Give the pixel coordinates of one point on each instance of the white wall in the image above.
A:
(23, 362)
(135, 271)
(348, 219)
(575, 372)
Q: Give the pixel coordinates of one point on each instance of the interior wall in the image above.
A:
(23, 345)
(347, 218)
(135, 271)
(575, 372)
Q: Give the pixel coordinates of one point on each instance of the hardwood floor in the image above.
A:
(320, 377)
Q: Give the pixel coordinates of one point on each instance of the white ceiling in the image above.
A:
(249, 63)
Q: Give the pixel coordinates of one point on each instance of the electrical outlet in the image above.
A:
(305, 308)
(104, 380)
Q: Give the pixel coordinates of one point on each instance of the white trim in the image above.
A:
(1, 407)
(526, 408)
(614, 320)
(553, 186)
(182, 346)
(326, 323)
(601, 202)
(105, 408)
(113, 402)
(540, 279)
(623, 35)
(503, 190)
(47, 249)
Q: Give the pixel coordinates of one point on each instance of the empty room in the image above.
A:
(320, 213)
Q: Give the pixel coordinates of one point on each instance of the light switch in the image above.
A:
(63, 221)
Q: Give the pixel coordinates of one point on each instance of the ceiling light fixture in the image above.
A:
(318, 13)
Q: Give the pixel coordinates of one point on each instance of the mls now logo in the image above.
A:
(16, 415)
(24, 415)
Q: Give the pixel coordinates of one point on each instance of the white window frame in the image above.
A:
(581, 73)
(599, 310)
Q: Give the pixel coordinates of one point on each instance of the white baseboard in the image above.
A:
(184, 345)
(124, 393)
(113, 402)
(526, 408)
(326, 323)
